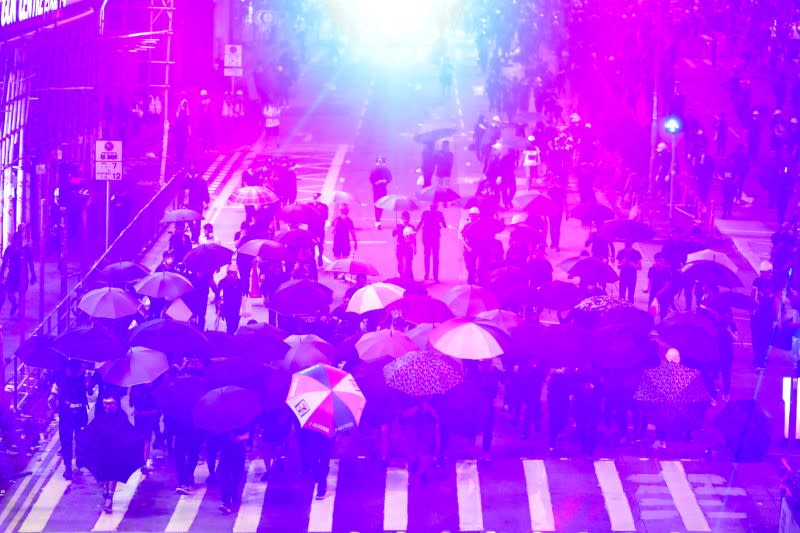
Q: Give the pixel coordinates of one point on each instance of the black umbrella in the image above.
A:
(226, 409)
(627, 230)
(730, 300)
(177, 395)
(712, 273)
(36, 352)
(438, 194)
(181, 215)
(747, 430)
(696, 338)
(434, 135)
(92, 344)
(110, 448)
(122, 272)
(592, 270)
(301, 297)
(220, 343)
(559, 295)
(618, 348)
(592, 212)
(542, 206)
(258, 344)
(207, 257)
(174, 338)
(264, 248)
(298, 214)
(296, 238)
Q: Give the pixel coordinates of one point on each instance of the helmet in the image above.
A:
(203, 92)
(474, 211)
(661, 147)
(574, 118)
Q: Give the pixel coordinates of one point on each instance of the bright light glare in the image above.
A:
(394, 29)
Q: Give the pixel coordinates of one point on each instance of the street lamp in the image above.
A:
(672, 125)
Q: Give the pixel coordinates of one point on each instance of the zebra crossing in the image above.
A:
(508, 495)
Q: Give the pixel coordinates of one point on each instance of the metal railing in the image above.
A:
(132, 242)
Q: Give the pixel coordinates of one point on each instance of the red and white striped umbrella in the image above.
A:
(254, 195)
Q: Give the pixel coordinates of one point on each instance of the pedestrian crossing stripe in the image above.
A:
(508, 495)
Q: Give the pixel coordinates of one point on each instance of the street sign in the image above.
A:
(263, 18)
(108, 160)
(233, 60)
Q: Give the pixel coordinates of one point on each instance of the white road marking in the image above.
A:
(329, 185)
(395, 500)
(48, 467)
(320, 519)
(540, 503)
(45, 504)
(235, 180)
(122, 499)
(249, 515)
(468, 492)
(187, 507)
(683, 496)
(619, 510)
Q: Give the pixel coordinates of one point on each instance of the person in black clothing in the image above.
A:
(400, 244)
(179, 242)
(181, 130)
(444, 164)
(508, 181)
(315, 454)
(559, 196)
(317, 226)
(380, 177)
(600, 247)
(428, 166)
(287, 181)
(765, 314)
(250, 178)
(478, 133)
(69, 396)
(231, 470)
(661, 285)
(630, 262)
(230, 291)
(17, 267)
(146, 417)
(430, 226)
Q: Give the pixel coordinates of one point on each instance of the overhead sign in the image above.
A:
(233, 60)
(18, 17)
(108, 161)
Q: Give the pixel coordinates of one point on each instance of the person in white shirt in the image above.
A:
(272, 123)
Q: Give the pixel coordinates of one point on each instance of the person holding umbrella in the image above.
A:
(231, 468)
(69, 396)
(430, 225)
(380, 177)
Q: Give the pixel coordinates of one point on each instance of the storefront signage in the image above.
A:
(14, 11)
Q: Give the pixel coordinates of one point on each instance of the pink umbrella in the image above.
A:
(469, 300)
(377, 344)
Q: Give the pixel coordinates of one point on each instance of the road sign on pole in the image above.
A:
(233, 60)
(108, 168)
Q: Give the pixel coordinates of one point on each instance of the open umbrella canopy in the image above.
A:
(592, 270)
(437, 194)
(463, 338)
(264, 248)
(622, 349)
(92, 344)
(712, 273)
(564, 346)
(122, 272)
(181, 215)
(178, 310)
(383, 402)
(36, 352)
(419, 309)
(627, 231)
(236, 371)
(295, 238)
(254, 195)
(174, 338)
(386, 342)
(351, 266)
(207, 257)
(589, 212)
(259, 344)
(301, 297)
(167, 285)
(110, 448)
(730, 300)
(339, 197)
(306, 351)
(109, 302)
(559, 295)
(220, 343)
(373, 297)
(542, 205)
(469, 300)
(140, 365)
(176, 395)
(503, 320)
(226, 409)
(714, 257)
(326, 399)
(603, 310)
(673, 384)
(397, 202)
(423, 373)
(420, 334)
(696, 337)
(299, 214)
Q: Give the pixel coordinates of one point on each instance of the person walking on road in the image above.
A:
(444, 164)
(476, 245)
(317, 225)
(231, 292)
(765, 314)
(344, 231)
(69, 396)
(181, 131)
(231, 468)
(380, 177)
(430, 226)
(272, 124)
(630, 262)
(17, 267)
(197, 199)
(315, 454)
(428, 166)
(401, 247)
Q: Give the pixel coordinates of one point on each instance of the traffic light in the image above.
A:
(673, 125)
